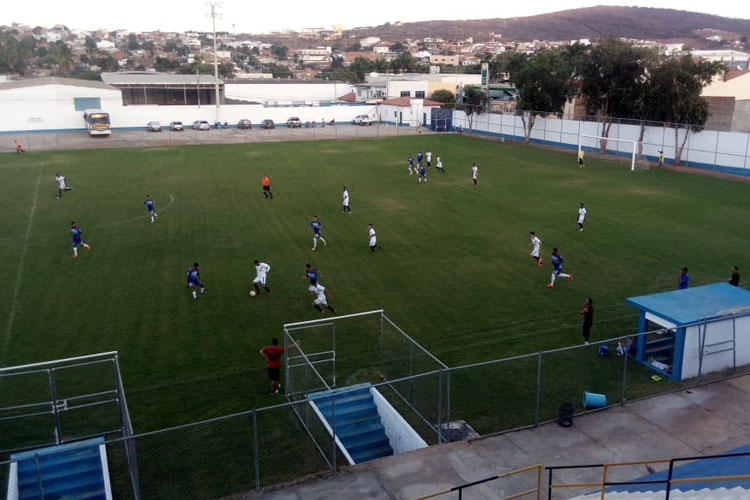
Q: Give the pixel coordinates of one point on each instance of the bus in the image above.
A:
(97, 122)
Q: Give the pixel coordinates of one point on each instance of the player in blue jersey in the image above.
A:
(420, 157)
(77, 234)
(422, 174)
(557, 263)
(312, 274)
(412, 168)
(316, 225)
(193, 279)
(149, 202)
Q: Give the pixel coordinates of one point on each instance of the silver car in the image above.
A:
(176, 127)
(153, 127)
(362, 120)
(201, 125)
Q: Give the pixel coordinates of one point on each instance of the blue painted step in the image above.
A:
(358, 425)
(73, 472)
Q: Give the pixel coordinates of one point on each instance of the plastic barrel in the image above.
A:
(565, 414)
(594, 400)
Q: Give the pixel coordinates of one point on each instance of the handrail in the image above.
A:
(461, 487)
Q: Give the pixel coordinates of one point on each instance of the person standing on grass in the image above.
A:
(428, 156)
(267, 187)
(320, 299)
(734, 279)
(373, 238)
(683, 281)
(261, 270)
(420, 157)
(194, 280)
(536, 243)
(439, 164)
(557, 264)
(581, 155)
(412, 168)
(272, 353)
(661, 160)
(345, 201)
(77, 234)
(149, 202)
(19, 148)
(317, 235)
(422, 174)
(60, 180)
(474, 173)
(581, 217)
(587, 311)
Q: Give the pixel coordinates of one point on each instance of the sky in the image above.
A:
(243, 16)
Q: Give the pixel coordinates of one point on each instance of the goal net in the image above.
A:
(614, 148)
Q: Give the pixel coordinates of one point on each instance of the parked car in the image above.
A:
(245, 124)
(267, 124)
(362, 120)
(201, 125)
(294, 122)
(176, 126)
(153, 127)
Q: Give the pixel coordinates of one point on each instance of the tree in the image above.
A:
(280, 51)
(355, 47)
(397, 47)
(11, 58)
(90, 45)
(612, 80)
(404, 62)
(164, 64)
(473, 103)
(133, 42)
(149, 45)
(171, 46)
(543, 85)
(443, 96)
(673, 95)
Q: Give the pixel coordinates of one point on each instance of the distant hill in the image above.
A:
(592, 22)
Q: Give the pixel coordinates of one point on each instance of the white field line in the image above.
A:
(19, 275)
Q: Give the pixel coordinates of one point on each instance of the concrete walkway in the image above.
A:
(702, 421)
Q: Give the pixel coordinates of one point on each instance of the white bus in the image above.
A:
(97, 122)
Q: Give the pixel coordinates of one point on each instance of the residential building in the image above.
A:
(446, 60)
(369, 41)
(732, 59)
(729, 101)
(406, 111)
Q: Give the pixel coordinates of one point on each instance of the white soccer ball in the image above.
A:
(252, 293)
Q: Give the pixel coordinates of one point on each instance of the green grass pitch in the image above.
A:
(454, 270)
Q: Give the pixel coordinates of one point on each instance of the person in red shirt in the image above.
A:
(267, 187)
(273, 353)
(19, 148)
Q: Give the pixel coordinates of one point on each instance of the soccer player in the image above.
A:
(316, 225)
(273, 353)
(587, 311)
(683, 281)
(261, 270)
(420, 156)
(149, 202)
(734, 279)
(537, 244)
(60, 180)
(312, 274)
(439, 164)
(77, 234)
(345, 201)
(474, 173)
(581, 154)
(428, 156)
(320, 299)
(267, 187)
(422, 174)
(581, 217)
(19, 148)
(661, 160)
(373, 237)
(557, 263)
(412, 168)
(194, 279)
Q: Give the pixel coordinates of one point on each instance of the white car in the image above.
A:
(362, 120)
(176, 126)
(153, 127)
(201, 125)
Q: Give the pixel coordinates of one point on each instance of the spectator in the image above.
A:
(734, 279)
(587, 311)
(19, 148)
(684, 279)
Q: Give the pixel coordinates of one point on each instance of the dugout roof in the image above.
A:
(683, 307)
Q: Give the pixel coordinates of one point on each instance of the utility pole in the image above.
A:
(214, 6)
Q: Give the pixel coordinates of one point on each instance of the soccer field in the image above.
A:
(454, 270)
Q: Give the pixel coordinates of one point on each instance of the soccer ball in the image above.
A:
(252, 293)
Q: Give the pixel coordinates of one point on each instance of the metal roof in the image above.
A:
(143, 78)
(54, 80)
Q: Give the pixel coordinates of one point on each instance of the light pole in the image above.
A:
(214, 6)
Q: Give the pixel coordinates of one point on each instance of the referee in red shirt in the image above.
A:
(273, 353)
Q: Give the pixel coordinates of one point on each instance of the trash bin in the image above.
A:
(565, 414)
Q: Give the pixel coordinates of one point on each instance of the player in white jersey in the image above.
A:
(60, 180)
(439, 164)
(320, 299)
(261, 270)
(345, 201)
(537, 244)
(373, 238)
(581, 217)
(428, 157)
(474, 173)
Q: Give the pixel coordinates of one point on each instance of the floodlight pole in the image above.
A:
(213, 6)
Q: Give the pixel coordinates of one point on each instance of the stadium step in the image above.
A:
(73, 472)
(358, 425)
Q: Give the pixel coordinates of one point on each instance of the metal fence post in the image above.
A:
(382, 345)
(448, 399)
(256, 461)
(53, 400)
(39, 477)
(333, 429)
(440, 406)
(624, 375)
(538, 388)
(334, 354)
